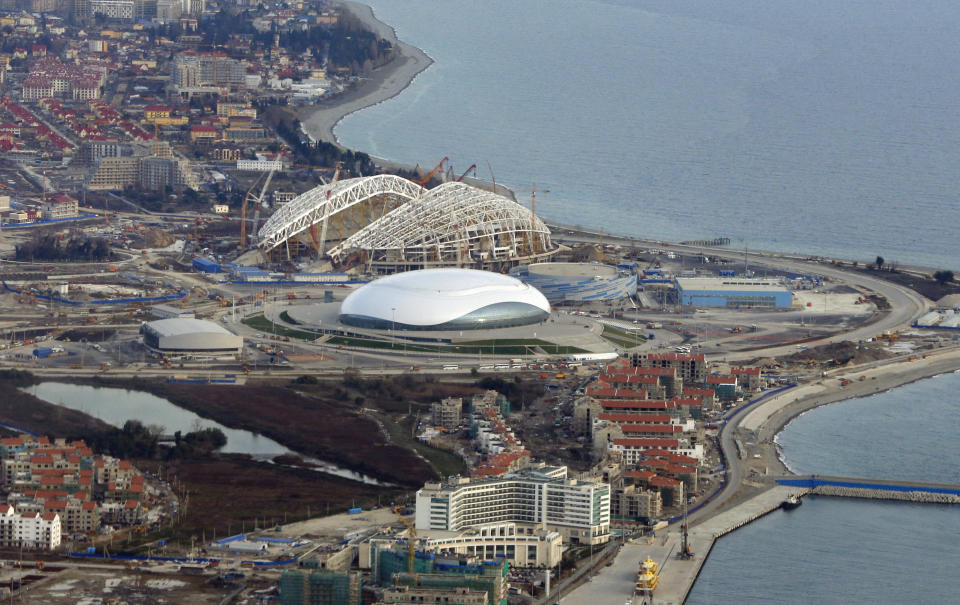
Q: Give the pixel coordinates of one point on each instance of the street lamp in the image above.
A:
(393, 327)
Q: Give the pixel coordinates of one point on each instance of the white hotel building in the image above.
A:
(39, 531)
(539, 496)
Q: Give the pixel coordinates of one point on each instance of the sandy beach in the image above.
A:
(383, 83)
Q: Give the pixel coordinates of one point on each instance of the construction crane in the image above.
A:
(256, 217)
(533, 209)
(423, 180)
(411, 530)
(467, 171)
(318, 242)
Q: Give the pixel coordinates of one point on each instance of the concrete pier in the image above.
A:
(614, 584)
(875, 489)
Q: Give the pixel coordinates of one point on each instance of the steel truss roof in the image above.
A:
(451, 219)
(321, 203)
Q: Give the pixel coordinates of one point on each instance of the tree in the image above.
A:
(880, 262)
(943, 277)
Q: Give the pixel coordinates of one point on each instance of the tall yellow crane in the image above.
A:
(533, 210)
(412, 531)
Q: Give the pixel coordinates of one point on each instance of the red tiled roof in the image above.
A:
(651, 443)
(642, 475)
(662, 429)
(644, 404)
(637, 418)
(660, 481)
(721, 379)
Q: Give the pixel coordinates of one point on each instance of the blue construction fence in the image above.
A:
(813, 481)
(182, 560)
(730, 414)
(53, 221)
(19, 429)
(109, 301)
(725, 418)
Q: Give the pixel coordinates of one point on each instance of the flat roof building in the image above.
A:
(732, 292)
(190, 336)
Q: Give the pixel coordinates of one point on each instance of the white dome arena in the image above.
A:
(444, 299)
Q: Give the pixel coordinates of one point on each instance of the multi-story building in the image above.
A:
(446, 413)
(691, 367)
(121, 10)
(521, 546)
(407, 595)
(538, 495)
(316, 586)
(192, 69)
(115, 173)
(60, 206)
(31, 530)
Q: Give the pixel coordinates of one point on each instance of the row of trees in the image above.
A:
(136, 440)
(943, 277)
(322, 153)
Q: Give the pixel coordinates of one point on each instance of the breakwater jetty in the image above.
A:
(875, 489)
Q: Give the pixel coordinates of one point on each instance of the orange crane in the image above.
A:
(423, 180)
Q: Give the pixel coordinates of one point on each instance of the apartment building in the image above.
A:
(32, 530)
(446, 413)
(691, 367)
(60, 206)
(538, 495)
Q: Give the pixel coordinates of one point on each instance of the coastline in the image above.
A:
(766, 421)
(382, 84)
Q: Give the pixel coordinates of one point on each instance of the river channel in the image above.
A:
(117, 406)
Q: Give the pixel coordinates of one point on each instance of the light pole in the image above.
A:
(393, 327)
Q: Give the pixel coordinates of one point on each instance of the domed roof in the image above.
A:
(444, 299)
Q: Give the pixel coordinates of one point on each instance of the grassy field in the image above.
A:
(622, 338)
(259, 322)
(443, 462)
(225, 491)
(286, 317)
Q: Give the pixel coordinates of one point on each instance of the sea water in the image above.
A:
(837, 550)
(827, 127)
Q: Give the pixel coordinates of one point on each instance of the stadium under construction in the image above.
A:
(384, 224)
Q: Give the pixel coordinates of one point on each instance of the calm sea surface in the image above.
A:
(835, 550)
(826, 126)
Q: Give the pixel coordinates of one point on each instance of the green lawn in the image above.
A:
(621, 337)
(259, 322)
(445, 463)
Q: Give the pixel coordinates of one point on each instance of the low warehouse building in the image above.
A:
(184, 336)
(732, 292)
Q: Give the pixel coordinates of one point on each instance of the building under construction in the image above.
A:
(385, 224)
